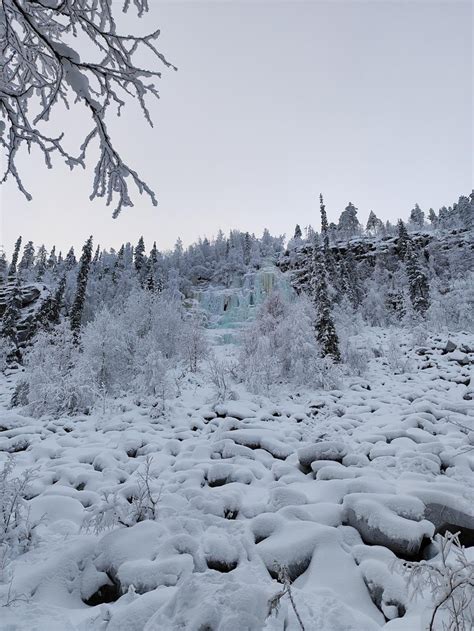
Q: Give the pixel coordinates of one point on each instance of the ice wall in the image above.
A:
(230, 306)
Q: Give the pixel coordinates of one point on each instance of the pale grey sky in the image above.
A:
(369, 102)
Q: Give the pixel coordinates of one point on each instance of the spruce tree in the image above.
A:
(298, 234)
(82, 276)
(403, 239)
(3, 267)
(324, 223)
(11, 317)
(52, 260)
(432, 216)
(374, 224)
(13, 264)
(139, 258)
(96, 258)
(50, 311)
(247, 248)
(324, 328)
(329, 262)
(443, 217)
(151, 268)
(28, 258)
(417, 217)
(41, 261)
(348, 224)
(70, 261)
(119, 264)
(159, 285)
(418, 286)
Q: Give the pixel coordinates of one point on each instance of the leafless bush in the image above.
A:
(356, 359)
(450, 580)
(16, 529)
(145, 501)
(326, 374)
(274, 603)
(117, 510)
(219, 375)
(397, 361)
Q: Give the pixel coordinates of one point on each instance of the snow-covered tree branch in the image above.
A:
(66, 52)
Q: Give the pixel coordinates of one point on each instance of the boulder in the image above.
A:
(393, 521)
(450, 347)
(457, 519)
(325, 450)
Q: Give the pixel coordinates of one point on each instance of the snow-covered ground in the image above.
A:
(332, 486)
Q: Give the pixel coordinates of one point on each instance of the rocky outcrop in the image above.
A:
(32, 297)
(369, 249)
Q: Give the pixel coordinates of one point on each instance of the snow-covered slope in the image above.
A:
(185, 522)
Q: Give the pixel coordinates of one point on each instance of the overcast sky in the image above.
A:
(274, 102)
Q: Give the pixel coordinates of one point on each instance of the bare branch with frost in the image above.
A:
(40, 69)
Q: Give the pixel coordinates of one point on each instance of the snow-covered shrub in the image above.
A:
(55, 375)
(16, 529)
(259, 363)
(167, 325)
(355, 358)
(348, 321)
(116, 509)
(397, 361)
(448, 580)
(280, 345)
(194, 343)
(419, 335)
(454, 308)
(373, 308)
(219, 375)
(295, 344)
(326, 374)
(105, 354)
(150, 377)
(126, 350)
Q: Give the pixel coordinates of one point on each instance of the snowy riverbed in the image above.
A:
(334, 486)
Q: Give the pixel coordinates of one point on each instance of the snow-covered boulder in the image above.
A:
(325, 450)
(450, 347)
(394, 521)
(221, 602)
(448, 511)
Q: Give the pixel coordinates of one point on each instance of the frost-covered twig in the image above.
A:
(218, 372)
(450, 580)
(16, 530)
(274, 603)
(12, 597)
(39, 71)
(115, 509)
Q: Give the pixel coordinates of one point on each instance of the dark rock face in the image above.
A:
(32, 297)
(368, 249)
(450, 519)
